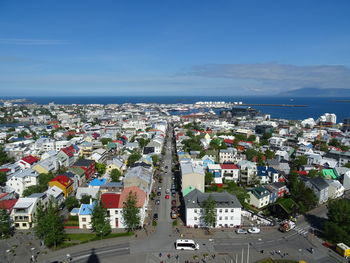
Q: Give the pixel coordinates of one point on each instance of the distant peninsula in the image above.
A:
(316, 92)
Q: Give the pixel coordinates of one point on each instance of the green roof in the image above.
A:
(111, 145)
(77, 170)
(328, 174)
(188, 190)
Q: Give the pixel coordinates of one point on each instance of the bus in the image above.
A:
(186, 244)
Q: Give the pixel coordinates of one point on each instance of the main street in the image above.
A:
(219, 247)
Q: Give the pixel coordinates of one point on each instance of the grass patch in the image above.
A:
(287, 204)
(81, 238)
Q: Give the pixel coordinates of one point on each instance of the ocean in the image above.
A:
(316, 106)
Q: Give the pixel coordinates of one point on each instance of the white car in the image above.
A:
(241, 231)
(254, 230)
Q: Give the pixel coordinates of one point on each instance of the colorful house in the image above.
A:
(64, 183)
(87, 165)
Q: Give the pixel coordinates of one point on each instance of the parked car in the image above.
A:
(157, 202)
(167, 191)
(159, 188)
(241, 231)
(155, 217)
(174, 208)
(254, 230)
(167, 196)
(173, 202)
(173, 195)
(159, 193)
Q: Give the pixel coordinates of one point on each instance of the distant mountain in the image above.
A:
(316, 92)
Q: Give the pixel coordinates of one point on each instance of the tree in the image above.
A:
(347, 165)
(31, 190)
(5, 223)
(313, 173)
(100, 220)
(105, 141)
(115, 175)
(301, 194)
(71, 202)
(337, 228)
(100, 168)
(142, 142)
(133, 158)
(3, 178)
(4, 158)
(85, 199)
(209, 178)
(131, 213)
(298, 162)
(49, 225)
(209, 216)
(44, 179)
(155, 159)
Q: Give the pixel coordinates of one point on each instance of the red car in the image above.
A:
(173, 202)
(167, 196)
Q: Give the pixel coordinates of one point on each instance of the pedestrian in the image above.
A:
(160, 255)
(169, 256)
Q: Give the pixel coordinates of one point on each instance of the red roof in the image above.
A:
(301, 172)
(5, 170)
(8, 204)
(140, 195)
(30, 159)
(110, 200)
(69, 150)
(228, 141)
(228, 166)
(62, 179)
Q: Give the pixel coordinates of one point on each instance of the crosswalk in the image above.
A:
(302, 230)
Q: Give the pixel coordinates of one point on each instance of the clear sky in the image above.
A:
(189, 47)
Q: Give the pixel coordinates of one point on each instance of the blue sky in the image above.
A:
(84, 47)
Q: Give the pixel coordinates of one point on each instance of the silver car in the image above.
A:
(241, 231)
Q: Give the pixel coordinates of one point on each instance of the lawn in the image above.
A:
(75, 239)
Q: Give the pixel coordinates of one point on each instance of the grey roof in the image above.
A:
(195, 199)
(112, 184)
(191, 168)
(319, 183)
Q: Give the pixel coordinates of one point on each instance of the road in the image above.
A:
(223, 247)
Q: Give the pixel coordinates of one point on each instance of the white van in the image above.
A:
(186, 244)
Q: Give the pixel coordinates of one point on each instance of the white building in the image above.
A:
(228, 209)
(21, 180)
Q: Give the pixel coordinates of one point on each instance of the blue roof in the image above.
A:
(264, 171)
(97, 182)
(75, 210)
(86, 209)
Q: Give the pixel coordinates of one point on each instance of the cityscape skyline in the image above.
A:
(227, 48)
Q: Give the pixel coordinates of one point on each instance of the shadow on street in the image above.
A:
(93, 258)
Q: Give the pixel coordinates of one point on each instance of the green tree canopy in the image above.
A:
(100, 220)
(155, 159)
(105, 141)
(337, 228)
(71, 202)
(298, 162)
(142, 142)
(209, 207)
(302, 195)
(48, 225)
(209, 178)
(115, 175)
(3, 178)
(31, 190)
(85, 199)
(133, 158)
(5, 223)
(4, 157)
(131, 213)
(100, 168)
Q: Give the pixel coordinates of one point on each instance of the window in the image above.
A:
(231, 217)
(195, 210)
(220, 210)
(232, 210)
(220, 217)
(24, 224)
(226, 210)
(83, 219)
(116, 212)
(195, 218)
